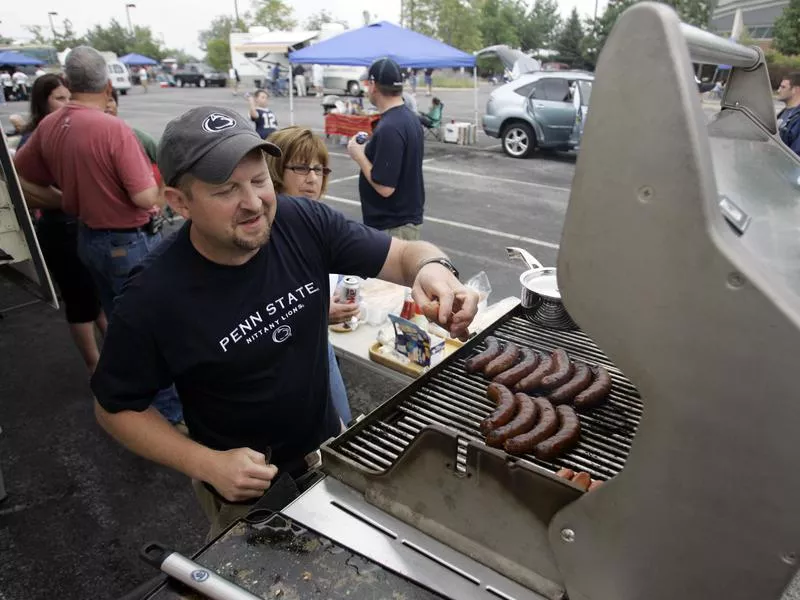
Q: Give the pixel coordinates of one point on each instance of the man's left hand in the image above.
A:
(445, 300)
(355, 150)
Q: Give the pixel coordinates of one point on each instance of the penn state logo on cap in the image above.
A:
(216, 122)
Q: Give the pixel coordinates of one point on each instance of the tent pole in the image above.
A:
(475, 85)
(291, 96)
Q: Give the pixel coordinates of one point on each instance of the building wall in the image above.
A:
(759, 16)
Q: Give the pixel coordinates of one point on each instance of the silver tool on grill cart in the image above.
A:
(680, 263)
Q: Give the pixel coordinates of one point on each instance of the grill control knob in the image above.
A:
(568, 535)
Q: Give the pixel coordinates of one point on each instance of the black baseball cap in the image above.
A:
(385, 71)
(208, 142)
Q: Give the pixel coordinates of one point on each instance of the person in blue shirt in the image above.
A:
(391, 184)
(789, 117)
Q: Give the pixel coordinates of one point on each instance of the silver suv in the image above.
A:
(546, 109)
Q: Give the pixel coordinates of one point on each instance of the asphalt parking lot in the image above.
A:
(478, 201)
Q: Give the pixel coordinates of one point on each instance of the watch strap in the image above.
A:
(442, 260)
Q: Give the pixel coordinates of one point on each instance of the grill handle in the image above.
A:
(707, 48)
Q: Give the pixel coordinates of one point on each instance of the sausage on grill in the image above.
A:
(583, 480)
(479, 361)
(504, 361)
(546, 427)
(506, 408)
(567, 436)
(528, 361)
(523, 421)
(534, 379)
(562, 370)
(596, 393)
(581, 379)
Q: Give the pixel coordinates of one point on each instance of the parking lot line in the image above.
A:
(468, 174)
(467, 226)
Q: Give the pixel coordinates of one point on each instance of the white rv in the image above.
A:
(255, 53)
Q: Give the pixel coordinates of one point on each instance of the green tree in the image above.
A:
(787, 29)
(220, 29)
(458, 24)
(540, 26)
(570, 44)
(601, 28)
(694, 12)
(317, 20)
(275, 15)
(114, 38)
(6, 40)
(421, 16)
(499, 22)
(218, 54)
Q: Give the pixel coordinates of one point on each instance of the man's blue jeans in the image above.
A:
(338, 391)
(110, 256)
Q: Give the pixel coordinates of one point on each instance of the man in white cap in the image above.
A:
(233, 309)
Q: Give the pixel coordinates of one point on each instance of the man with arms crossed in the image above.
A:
(233, 309)
(390, 184)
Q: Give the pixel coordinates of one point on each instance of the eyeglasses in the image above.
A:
(319, 171)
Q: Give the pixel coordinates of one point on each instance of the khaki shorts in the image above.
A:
(221, 514)
(409, 232)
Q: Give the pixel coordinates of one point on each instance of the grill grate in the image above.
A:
(451, 397)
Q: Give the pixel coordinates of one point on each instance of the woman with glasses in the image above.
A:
(302, 170)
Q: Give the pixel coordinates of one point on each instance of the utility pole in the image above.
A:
(50, 16)
(236, 12)
(128, 8)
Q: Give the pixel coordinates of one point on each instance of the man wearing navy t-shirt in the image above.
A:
(233, 309)
(390, 184)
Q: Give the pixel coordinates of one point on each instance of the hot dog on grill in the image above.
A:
(562, 370)
(581, 379)
(523, 421)
(506, 408)
(583, 480)
(528, 361)
(596, 393)
(567, 436)
(532, 381)
(546, 427)
(504, 361)
(479, 361)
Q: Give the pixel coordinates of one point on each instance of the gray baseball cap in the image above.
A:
(208, 142)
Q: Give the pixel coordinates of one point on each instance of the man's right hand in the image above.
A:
(240, 474)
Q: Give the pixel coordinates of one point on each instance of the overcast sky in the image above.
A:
(178, 21)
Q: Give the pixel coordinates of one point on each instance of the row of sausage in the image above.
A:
(524, 425)
(555, 375)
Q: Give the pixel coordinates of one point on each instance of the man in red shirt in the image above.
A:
(103, 174)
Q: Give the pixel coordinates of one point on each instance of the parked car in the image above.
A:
(119, 75)
(201, 75)
(346, 80)
(545, 109)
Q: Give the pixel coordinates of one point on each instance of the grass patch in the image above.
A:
(451, 82)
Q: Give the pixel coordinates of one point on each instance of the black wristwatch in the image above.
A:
(445, 262)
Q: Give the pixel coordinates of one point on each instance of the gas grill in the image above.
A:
(450, 397)
(679, 259)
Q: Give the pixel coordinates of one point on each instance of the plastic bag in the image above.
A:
(480, 283)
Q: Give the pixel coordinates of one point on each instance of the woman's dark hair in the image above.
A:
(42, 88)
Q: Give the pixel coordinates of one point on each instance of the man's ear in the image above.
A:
(178, 201)
(109, 88)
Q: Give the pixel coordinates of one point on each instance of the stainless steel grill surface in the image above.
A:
(451, 397)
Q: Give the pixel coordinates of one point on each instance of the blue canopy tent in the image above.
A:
(137, 60)
(361, 47)
(9, 57)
